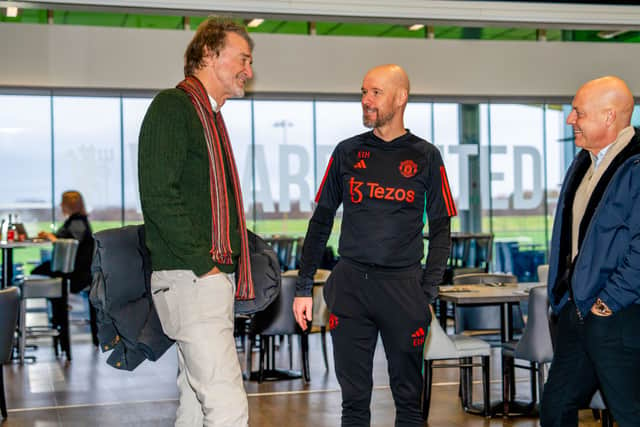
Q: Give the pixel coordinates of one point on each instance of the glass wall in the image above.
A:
(505, 162)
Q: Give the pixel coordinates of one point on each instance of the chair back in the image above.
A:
(535, 344)
(543, 273)
(597, 402)
(438, 345)
(9, 303)
(64, 255)
(320, 310)
(487, 317)
(277, 318)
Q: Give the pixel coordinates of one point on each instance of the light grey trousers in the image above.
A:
(198, 314)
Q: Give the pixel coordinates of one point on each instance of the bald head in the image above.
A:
(385, 92)
(393, 75)
(601, 109)
(611, 93)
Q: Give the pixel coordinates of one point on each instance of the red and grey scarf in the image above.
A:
(218, 146)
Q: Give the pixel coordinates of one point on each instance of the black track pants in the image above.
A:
(364, 301)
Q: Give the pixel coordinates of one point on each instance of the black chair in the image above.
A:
(62, 262)
(9, 304)
(277, 320)
(485, 318)
(534, 346)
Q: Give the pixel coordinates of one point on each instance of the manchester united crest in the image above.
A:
(408, 168)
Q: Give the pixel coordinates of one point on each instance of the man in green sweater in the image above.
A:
(194, 222)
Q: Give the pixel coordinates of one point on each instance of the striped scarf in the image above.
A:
(218, 146)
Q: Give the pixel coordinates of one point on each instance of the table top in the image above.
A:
(26, 244)
(319, 278)
(486, 294)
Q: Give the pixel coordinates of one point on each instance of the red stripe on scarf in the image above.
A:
(218, 146)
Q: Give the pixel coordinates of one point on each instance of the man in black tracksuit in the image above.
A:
(389, 182)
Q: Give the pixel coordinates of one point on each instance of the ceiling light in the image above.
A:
(608, 35)
(256, 22)
(416, 27)
(12, 12)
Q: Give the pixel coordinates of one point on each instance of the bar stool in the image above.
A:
(36, 286)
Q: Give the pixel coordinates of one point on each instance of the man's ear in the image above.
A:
(401, 98)
(207, 56)
(611, 116)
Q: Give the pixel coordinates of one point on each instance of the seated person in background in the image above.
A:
(76, 226)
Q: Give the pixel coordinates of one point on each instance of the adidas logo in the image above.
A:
(360, 165)
(418, 333)
(418, 337)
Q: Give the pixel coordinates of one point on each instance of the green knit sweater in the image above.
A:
(173, 173)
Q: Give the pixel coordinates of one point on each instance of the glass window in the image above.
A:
(446, 138)
(237, 117)
(518, 202)
(417, 118)
(87, 155)
(25, 174)
(335, 122)
(25, 153)
(133, 111)
(283, 166)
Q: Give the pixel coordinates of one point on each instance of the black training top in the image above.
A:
(388, 190)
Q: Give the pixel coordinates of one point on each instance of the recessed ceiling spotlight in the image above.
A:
(256, 22)
(12, 12)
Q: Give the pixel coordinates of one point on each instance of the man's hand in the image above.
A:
(214, 270)
(599, 308)
(302, 307)
(49, 236)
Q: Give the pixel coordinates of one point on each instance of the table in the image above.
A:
(7, 257)
(505, 296)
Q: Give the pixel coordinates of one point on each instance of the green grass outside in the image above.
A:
(525, 229)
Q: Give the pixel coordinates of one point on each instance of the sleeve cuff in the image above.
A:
(304, 287)
(609, 301)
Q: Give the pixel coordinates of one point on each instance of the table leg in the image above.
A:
(443, 314)
(505, 327)
(7, 267)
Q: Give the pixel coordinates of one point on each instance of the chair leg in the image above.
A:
(506, 383)
(426, 388)
(290, 342)
(249, 355)
(304, 350)
(486, 385)
(512, 379)
(534, 381)
(469, 381)
(323, 336)
(22, 339)
(3, 402)
(261, 358)
(607, 420)
(462, 389)
(64, 330)
(540, 381)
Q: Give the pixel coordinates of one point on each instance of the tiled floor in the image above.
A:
(88, 392)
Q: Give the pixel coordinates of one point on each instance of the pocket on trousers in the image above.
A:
(167, 312)
(328, 289)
